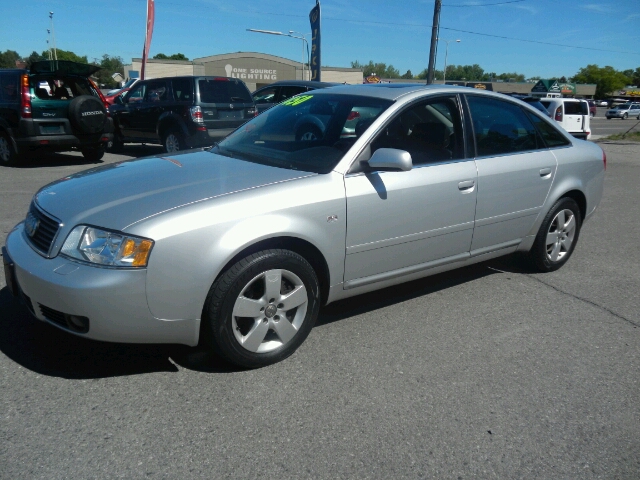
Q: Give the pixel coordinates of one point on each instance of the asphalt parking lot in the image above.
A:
(601, 127)
(485, 372)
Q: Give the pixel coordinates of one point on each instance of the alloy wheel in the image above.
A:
(5, 150)
(560, 236)
(172, 143)
(269, 311)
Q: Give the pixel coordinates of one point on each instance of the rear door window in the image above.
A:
(182, 91)
(223, 91)
(552, 137)
(290, 91)
(501, 127)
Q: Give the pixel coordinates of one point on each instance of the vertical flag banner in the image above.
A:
(147, 40)
(314, 18)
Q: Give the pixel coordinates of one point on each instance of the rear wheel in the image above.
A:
(173, 141)
(262, 309)
(7, 153)
(557, 236)
(93, 154)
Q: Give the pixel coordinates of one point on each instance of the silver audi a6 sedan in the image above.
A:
(237, 247)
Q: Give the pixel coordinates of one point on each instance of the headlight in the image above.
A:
(102, 247)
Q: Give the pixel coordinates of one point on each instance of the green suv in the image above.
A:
(52, 106)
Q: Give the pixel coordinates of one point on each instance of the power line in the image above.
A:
(478, 4)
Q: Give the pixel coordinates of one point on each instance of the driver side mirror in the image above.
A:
(391, 158)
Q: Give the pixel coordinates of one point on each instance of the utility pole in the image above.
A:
(434, 41)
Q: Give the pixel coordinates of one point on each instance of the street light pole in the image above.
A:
(446, 52)
(53, 33)
(304, 43)
(301, 37)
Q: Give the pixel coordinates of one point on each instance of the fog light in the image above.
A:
(78, 324)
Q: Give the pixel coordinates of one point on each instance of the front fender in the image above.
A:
(194, 243)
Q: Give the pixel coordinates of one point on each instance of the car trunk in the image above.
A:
(226, 103)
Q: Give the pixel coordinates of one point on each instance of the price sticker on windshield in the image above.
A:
(293, 101)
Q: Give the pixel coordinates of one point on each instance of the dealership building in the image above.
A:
(254, 69)
(260, 69)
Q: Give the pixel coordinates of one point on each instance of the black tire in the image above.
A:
(173, 141)
(93, 154)
(308, 133)
(117, 144)
(87, 114)
(541, 256)
(8, 155)
(229, 334)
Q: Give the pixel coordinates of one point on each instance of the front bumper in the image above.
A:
(113, 300)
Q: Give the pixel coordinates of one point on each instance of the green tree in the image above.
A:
(175, 56)
(607, 79)
(65, 55)
(35, 57)
(381, 69)
(408, 75)
(8, 59)
(109, 65)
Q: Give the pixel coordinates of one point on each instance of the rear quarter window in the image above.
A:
(573, 108)
(223, 91)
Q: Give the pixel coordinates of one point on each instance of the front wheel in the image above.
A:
(262, 309)
(557, 236)
(93, 154)
(625, 116)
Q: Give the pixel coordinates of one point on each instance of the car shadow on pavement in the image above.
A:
(45, 349)
(400, 293)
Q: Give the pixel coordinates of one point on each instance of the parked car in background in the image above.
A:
(270, 95)
(181, 112)
(572, 114)
(110, 99)
(130, 83)
(238, 246)
(52, 106)
(533, 101)
(624, 111)
(593, 109)
(602, 103)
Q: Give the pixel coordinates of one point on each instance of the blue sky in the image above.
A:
(394, 32)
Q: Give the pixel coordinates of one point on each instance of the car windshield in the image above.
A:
(307, 132)
(129, 83)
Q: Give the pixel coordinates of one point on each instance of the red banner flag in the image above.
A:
(147, 40)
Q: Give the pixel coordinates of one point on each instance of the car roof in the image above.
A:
(394, 91)
(302, 83)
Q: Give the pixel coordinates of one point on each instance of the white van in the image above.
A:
(572, 114)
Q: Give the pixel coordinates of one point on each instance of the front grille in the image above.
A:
(53, 316)
(41, 229)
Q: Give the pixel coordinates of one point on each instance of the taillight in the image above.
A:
(353, 115)
(252, 112)
(102, 99)
(604, 159)
(558, 116)
(196, 114)
(25, 98)
(221, 79)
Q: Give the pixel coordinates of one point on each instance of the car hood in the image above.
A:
(120, 194)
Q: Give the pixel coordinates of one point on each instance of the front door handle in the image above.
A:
(545, 172)
(467, 186)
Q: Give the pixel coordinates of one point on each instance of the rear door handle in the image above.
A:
(467, 186)
(545, 172)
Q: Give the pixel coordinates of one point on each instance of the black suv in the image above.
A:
(181, 112)
(53, 105)
(274, 93)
